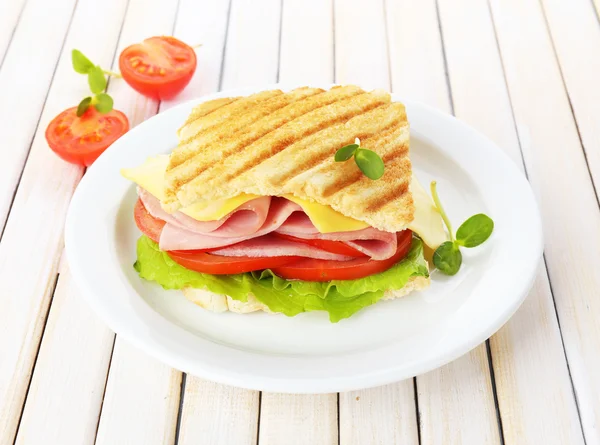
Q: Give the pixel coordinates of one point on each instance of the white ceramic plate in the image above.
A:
(384, 343)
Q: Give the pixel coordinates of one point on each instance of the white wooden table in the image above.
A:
(524, 72)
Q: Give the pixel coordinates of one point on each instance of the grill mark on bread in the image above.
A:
(286, 142)
(219, 117)
(389, 158)
(320, 158)
(235, 127)
(280, 99)
(338, 90)
(206, 108)
(302, 155)
(238, 146)
(377, 144)
(394, 193)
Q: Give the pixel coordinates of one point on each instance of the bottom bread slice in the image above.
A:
(221, 303)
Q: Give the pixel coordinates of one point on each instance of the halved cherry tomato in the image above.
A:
(81, 140)
(159, 67)
(224, 265)
(327, 245)
(148, 224)
(326, 270)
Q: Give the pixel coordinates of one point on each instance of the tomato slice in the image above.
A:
(148, 224)
(80, 140)
(223, 265)
(159, 67)
(327, 245)
(326, 270)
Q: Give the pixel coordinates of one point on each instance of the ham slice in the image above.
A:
(374, 243)
(271, 245)
(245, 229)
(174, 237)
(244, 220)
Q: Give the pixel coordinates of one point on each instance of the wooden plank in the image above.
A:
(362, 58)
(218, 414)
(285, 418)
(361, 54)
(456, 402)
(423, 77)
(70, 373)
(25, 78)
(576, 36)
(252, 52)
(575, 31)
(142, 394)
(10, 13)
(74, 355)
(308, 59)
(202, 23)
(569, 207)
(211, 413)
(141, 400)
(381, 416)
(46, 185)
(534, 390)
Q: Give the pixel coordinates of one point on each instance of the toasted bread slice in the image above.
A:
(221, 303)
(285, 144)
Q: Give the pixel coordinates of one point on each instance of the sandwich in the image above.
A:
(252, 212)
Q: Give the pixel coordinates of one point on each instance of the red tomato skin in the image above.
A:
(157, 88)
(225, 265)
(148, 225)
(87, 152)
(327, 245)
(309, 269)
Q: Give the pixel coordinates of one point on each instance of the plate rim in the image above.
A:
(286, 385)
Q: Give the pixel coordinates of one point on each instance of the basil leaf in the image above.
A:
(81, 64)
(369, 163)
(96, 80)
(104, 103)
(345, 153)
(83, 106)
(475, 230)
(447, 258)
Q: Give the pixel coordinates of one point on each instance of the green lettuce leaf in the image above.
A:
(340, 298)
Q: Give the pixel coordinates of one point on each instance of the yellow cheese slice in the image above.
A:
(150, 175)
(325, 219)
(213, 210)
